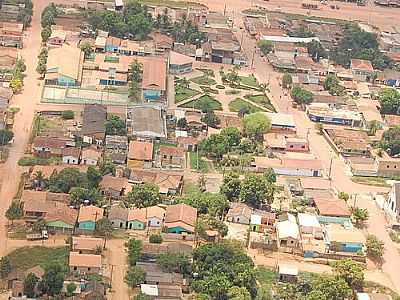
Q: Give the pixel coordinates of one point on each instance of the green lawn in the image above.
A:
(182, 93)
(203, 165)
(28, 257)
(204, 103)
(261, 100)
(203, 80)
(239, 104)
(249, 81)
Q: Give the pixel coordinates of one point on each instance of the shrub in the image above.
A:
(155, 239)
(68, 115)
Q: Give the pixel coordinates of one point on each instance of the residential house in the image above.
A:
(128, 47)
(61, 219)
(239, 213)
(332, 207)
(222, 50)
(88, 216)
(391, 77)
(154, 79)
(362, 69)
(288, 273)
(309, 224)
(162, 42)
(280, 142)
(85, 263)
(57, 38)
(373, 296)
(90, 156)
(289, 50)
(392, 202)
(93, 124)
(93, 290)
(262, 221)
(44, 146)
(349, 142)
(140, 154)
(281, 122)
(288, 166)
(188, 143)
(167, 182)
(117, 143)
(8, 58)
(180, 218)
(162, 291)
(322, 113)
(139, 124)
(114, 187)
(155, 216)
(179, 63)
(64, 66)
(118, 217)
(100, 44)
(155, 275)
(340, 239)
(11, 34)
(71, 155)
(112, 44)
(136, 219)
(86, 245)
(171, 157)
(288, 234)
(387, 166)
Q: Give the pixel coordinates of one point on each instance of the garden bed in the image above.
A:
(239, 104)
(182, 93)
(203, 80)
(261, 100)
(249, 81)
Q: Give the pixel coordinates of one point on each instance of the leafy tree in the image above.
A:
(316, 50)
(68, 178)
(136, 71)
(390, 101)
(360, 215)
(211, 119)
(81, 195)
(93, 176)
(134, 248)
(238, 293)
(41, 68)
(182, 123)
(68, 115)
(71, 287)
(301, 96)
(254, 189)
(265, 46)
(16, 85)
(141, 296)
(269, 175)
(87, 49)
(208, 222)
(320, 128)
(174, 262)
(30, 283)
(216, 145)
(391, 141)
(373, 126)
(375, 247)
(287, 80)
(107, 167)
(20, 65)
(254, 125)
(332, 85)
(52, 280)
(328, 288)
(207, 203)
(46, 33)
(344, 196)
(134, 276)
(115, 126)
(221, 266)
(105, 229)
(155, 239)
(5, 267)
(233, 136)
(144, 195)
(5, 136)
(231, 186)
(14, 212)
(351, 272)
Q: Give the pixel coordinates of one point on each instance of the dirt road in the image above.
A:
(27, 102)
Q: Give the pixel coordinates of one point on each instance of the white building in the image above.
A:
(392, 203)
(309, 224)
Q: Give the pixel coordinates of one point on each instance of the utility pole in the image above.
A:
(252, 59)
(330, 168)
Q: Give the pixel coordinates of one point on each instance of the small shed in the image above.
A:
(287, 273)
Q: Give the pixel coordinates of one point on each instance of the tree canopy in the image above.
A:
(375, 247)
(332, 85)
(144, 195)
(301, 96)
(115, 126)
(5, 136)
(389, 100)
(391, 141)
(265, 46)
(52, 280)
(256, 124)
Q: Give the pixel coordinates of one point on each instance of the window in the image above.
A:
(88, 268)
(75, 268)
(291, 146)
(303, 147)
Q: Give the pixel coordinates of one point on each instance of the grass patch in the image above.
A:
(207, 89)
(182, 93)
(204, 103)
(374, 181)
(261, 100)
(239, 104)
(232, 92)
(34, 161)
(203, 80)
(28, 257)
(249, 81)
(171, 3)
(202, 164)
(265, 276)
(189, 187)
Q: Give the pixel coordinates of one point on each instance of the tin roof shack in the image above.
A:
(349, 142)
(169, 183)
(281, 122)
(288, 235)
(86, 245)
(287, 166)
(340, 239)
(139, 125)
(180, 218)
(93, 124)
(287, 273)
(85, 263)
(309, 225)
(332, 207)
(322, 113)
(239, 213)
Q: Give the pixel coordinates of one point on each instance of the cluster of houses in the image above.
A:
(323, 230)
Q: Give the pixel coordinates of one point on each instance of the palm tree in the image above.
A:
(360, 215)
(373, 126)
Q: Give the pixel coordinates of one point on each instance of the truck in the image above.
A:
(307, 5)
(43, 235)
